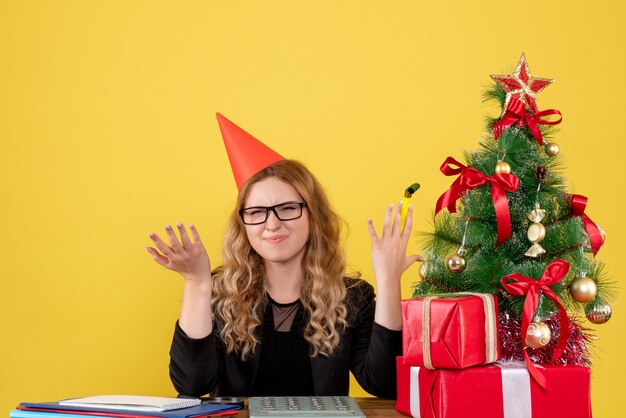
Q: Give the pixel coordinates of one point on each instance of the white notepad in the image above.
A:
(131, 403)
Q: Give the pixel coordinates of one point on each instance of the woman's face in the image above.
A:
(274, 240)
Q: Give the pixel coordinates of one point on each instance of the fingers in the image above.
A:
(183, 256)
(372, 230)
(387, 221)
(393, 222)
(397, 220)
(410, 260)
(174, 244)
(172, 238)
(195, 234)
(161, 246)
(156, 256)
(184, 237)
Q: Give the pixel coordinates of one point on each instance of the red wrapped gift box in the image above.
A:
(461, 331)
(496, 390)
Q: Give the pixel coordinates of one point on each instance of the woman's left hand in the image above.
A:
(390, 261)
(389, 250)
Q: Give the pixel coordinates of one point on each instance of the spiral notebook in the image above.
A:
(131, 403)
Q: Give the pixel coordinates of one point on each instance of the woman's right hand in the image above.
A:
(187, 257)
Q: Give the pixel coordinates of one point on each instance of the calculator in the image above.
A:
(304, 406)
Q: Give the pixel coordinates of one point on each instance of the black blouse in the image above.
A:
(284, 365)
(367, 349)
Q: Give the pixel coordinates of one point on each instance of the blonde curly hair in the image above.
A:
(239, 297)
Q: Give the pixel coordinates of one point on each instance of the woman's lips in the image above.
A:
(275, 239)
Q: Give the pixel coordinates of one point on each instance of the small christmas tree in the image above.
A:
(508, 227)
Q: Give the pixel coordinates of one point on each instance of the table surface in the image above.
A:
(371, 407)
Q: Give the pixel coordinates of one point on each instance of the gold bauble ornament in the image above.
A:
(598, 312)
(538, 335)
(583, 289)
(502, 168)
(552, 149)
(424, 270)
(456, 263)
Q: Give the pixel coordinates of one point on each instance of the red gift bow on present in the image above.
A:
(471, 178)
(579, 203)
(516, 114)
(523, 285)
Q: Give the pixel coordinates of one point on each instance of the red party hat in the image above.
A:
(247, 154)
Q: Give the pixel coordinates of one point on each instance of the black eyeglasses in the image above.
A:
(287, 211)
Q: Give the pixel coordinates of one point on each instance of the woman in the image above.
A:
(279, 317)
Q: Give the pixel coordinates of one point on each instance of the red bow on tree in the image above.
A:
(471, 178)
(516, 114)
(596, 239)
(532, 288)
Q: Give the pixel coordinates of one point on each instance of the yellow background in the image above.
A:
(108, 132)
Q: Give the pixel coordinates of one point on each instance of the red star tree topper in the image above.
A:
(522, 85)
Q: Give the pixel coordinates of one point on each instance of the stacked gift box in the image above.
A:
(450, 367)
